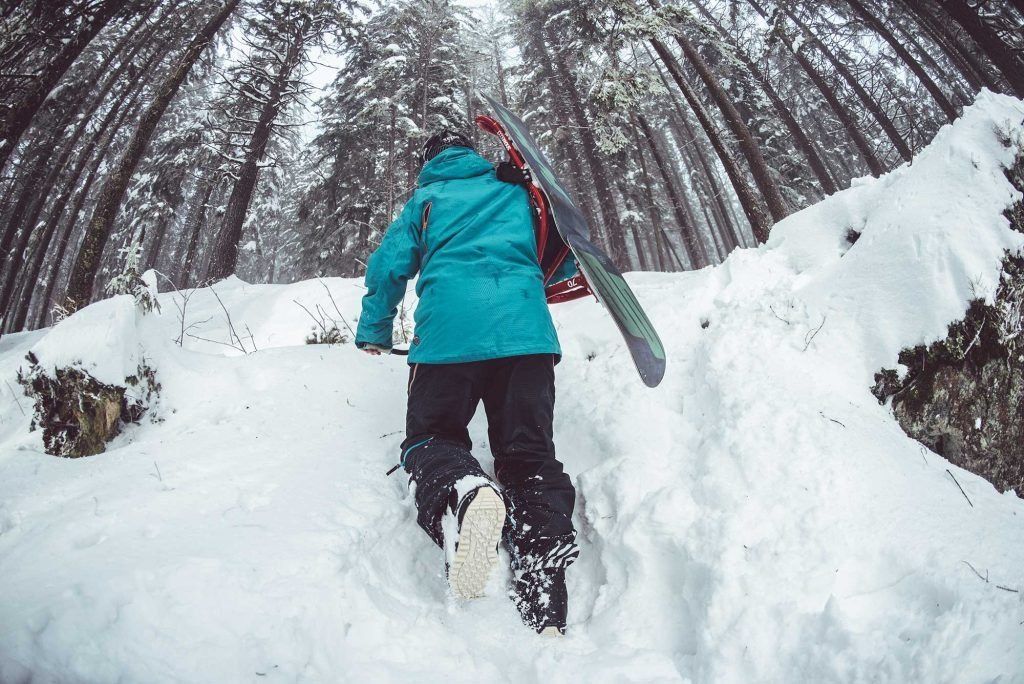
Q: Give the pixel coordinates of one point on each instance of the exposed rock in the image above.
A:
(963, 397)
(78, 414)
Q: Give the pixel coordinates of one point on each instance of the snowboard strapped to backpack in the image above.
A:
(597, 274)
(552, 250)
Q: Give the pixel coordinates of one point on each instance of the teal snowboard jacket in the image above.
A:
(470, 237)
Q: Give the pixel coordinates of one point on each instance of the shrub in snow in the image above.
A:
(142, 287)
(331, 335)
(79, 414)
(963, 396)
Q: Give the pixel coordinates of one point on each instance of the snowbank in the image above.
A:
(758, 517)
(102, 341)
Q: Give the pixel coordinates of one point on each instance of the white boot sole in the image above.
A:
(477, 555)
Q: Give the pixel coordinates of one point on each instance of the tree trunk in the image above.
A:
(1010, 64)
(915, 66)
(15, 118)
(953, 78)
(108, 128)
(607, 204)
(968, 66)
(800, 139)
(748, 146)
(631, 210)
(158, 241)
(842, 112)
(680, 123)
(193, 243)
(68, 231)
(752, 205)
(35, 191)
(568, 145)
(726, 228)
(499, 68)
(676, 168)
(225, 254)
(24, 225)
(651, 208)
(83, 274)
(694, 247)
(876, 111)
(867, 152)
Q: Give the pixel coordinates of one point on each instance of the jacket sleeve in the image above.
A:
(392, 264)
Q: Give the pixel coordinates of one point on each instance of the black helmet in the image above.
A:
(442, 141)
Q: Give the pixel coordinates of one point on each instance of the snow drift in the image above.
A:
(758, 517)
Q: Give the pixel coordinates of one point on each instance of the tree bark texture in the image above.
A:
(83, 274)
(753, 207)
(1009, 62)
(607, 204)
(15, 118)
(913, 64)
(225, 254)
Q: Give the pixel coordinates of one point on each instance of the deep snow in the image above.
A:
(758, 517)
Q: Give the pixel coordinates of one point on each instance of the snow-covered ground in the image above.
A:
(758, 517)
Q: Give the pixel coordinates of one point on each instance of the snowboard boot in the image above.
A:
(542, 600)
(472, 553)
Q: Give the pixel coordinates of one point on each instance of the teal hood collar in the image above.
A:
(452, 163)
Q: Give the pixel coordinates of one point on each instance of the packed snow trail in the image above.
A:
(758, 517)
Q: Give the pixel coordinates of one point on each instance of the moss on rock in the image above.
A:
(78, 414)
(963, 396)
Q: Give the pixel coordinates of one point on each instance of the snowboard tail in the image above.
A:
(599, 276)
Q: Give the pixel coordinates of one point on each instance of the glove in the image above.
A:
(508, 172)
(373, 349)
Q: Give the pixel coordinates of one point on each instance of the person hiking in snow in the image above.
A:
(483, 332)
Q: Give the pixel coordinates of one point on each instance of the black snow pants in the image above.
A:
(518, 393)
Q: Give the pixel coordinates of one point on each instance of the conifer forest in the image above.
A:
(277, 139)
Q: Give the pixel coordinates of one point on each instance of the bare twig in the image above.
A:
(316, 320)
(959, 487)
(251, 338)
(194, 325)
(323, 314)
(337, 309)
(206, 339)
(772, 309)
(182, 307)
(977, 336)
(230, 326)
(983, 578)
(16, 400)
(809, 337)
(832, 419)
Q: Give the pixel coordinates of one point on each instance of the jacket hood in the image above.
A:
(452, 163)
